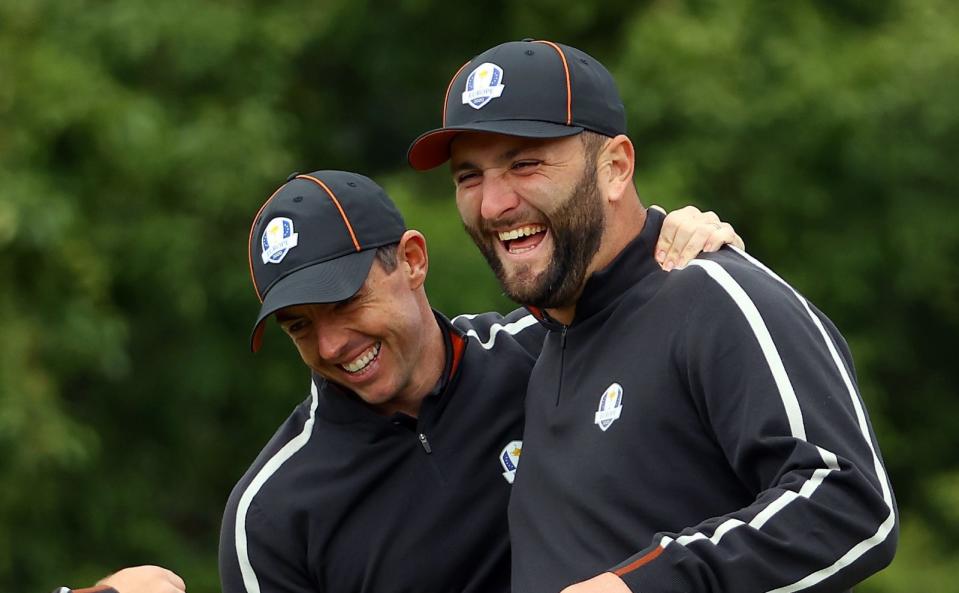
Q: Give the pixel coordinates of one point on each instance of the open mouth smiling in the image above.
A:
(361, 362)
(522, 239)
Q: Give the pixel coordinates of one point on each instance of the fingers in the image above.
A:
(723, 234)
(687, 232)
(682, 254)
(672, 226)
(683, 235)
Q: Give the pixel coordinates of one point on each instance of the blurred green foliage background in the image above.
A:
(137, 140)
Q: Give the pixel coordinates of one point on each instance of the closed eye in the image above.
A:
(295, 327)
(525, 166)
(466, 176)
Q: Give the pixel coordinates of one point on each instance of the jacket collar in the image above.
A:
(606, 286)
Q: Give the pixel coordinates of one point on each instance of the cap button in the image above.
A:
(292, 176)
(528, 39)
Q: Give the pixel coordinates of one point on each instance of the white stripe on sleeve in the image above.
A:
(512, 329)
(794, 416)
(250, 581)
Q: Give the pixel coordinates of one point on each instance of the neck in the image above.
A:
(624, 222)
(431, 362)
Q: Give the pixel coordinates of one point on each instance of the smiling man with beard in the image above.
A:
(686, 432)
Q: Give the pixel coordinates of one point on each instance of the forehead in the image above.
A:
(469, 147)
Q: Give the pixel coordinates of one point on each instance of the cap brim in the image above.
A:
(326, 282)
(432, 149)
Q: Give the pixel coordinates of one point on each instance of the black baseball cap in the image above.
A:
(315, 238)
(530, 88)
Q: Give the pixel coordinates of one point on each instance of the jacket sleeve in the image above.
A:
(773, 380)
(258, 552)
(253, 558)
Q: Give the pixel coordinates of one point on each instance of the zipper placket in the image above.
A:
(562, 363)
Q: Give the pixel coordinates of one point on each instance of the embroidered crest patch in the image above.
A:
(277, 240)
(509, 459)
(610, 406)
(484, 84)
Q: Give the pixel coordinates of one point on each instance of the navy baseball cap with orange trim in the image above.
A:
(315, 238)
(529, 88)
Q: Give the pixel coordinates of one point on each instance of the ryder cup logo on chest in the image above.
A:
(278, 239)
(484, 84)
(509, 459)
(610, 406)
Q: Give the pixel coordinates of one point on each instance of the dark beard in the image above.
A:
(577, 228)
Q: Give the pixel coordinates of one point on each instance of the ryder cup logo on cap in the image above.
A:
(610, 407)
(509, 459)
(278, 239)
(483, 84)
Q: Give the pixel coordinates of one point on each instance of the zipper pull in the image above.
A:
(425, 443)
(562, 341)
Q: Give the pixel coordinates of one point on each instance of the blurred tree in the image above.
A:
(137, 139)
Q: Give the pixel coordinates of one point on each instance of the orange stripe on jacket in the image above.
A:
(646, 559)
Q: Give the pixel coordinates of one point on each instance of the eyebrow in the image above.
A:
(282, 316)
(454, 169)
(508, 155)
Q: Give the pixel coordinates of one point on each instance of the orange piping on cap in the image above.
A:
(253, 226)
(336, 202)
(449, 87)
(569, 88)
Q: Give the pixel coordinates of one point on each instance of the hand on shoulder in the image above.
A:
(687, 232)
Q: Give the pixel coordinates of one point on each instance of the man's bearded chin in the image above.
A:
(577, 231)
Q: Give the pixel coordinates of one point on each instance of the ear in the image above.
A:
(615, 167)
(412, 258)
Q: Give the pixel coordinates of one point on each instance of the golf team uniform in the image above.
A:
(698, 430)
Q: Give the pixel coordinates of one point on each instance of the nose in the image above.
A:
(498, 196)
(332, 338)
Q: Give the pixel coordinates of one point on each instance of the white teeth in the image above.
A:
(525, 231)
(360, 363)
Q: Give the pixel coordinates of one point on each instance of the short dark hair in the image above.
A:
(593, 142)
(386, 255)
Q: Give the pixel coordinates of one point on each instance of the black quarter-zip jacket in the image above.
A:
(697, 431)
(343, 499)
